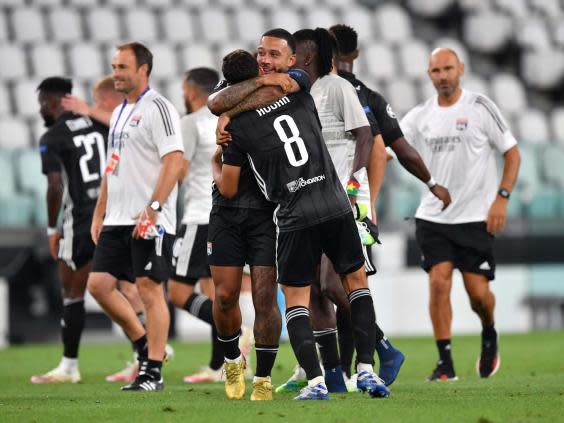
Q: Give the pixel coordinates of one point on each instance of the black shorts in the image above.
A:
(299, 252)
(468, 245)
(189, 258)
(239, 235)
(76, 247)
(125, 258)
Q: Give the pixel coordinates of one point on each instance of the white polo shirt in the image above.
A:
(458, 145)
(142, 133)
(198, 133)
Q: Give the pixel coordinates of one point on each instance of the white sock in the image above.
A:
(69, 364)
(316, 381)
(247, 309)
(363, 367)
(237, 360)
(256, 378)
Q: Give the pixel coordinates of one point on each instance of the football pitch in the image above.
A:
(529, 387)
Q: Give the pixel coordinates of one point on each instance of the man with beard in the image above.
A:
(73, 156)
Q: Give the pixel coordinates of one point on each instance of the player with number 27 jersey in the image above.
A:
(76, 147)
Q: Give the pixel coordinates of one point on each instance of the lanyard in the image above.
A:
(128, 116)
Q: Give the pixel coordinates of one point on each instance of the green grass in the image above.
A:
(528, 388)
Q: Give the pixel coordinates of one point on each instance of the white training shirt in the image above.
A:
(458, 144)
(339, 111)
(144, 133)
(198, 133)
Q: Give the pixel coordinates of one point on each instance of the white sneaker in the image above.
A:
(351, 383)
(297, 381)
(205, 375)
(127, 374)
(57, 375)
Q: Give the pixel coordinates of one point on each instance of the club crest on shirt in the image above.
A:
(461, 124)
(210, 248)
(135, 121)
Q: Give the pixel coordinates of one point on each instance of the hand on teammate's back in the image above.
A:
(442, 194)
(221, 135)
(282, 80)
(75, 105)
(496, 216)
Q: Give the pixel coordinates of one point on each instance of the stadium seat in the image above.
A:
(471, 6)
(516, 8)
(557, 26)
(320, 17)
(164, 61)
(5, 108)
(532, 126)
(28, 25)
(529, 174)
(159, 4)
(14, 133)
(177, 25)
(126, 4)
(553, 158)
(233, 4)
(37, 130)
(25, 95)
(195, 4)
(17, 209)
(47, 3)
(29, 174)
(380, 61)
(141, 25)
(544, 204)
(3, 28)
(428, 90)
(487, 32)
(47, 60)
(287, 18)
(226, 48)
(10, 3)
(532, 33)
(250, 25)
(549, 8)
(402, 95)
(198, 54)
(14, 55)
(215, 24)
(414, 59)
(508, 93)
(172, 89)
(86, 61)
(342, 4)
(85, 3)
(429, 9)
(65, 25)
(103, 25)
(361, 20)
(557, 124)
(475, 83)
(393, 23)
(543, 69)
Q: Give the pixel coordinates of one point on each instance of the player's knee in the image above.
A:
(98, 288)
(225, 298)
(439, 285)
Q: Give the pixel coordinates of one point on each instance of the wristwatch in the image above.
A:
(504, 193)
(156, 206)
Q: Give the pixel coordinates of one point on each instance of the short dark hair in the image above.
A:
(55, 85)
(204, 78)
(239, 65)
(319, 41)
(347, 38)
(283, 34)
(143, 55)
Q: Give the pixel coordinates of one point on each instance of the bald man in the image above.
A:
(457, 133)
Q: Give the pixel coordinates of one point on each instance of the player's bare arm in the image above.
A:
(375, 171)
(99, 211)
(78, 106)
(231, 96)
(226, 177)
(413, 163)
(169, 175)
(498, 209)
(54, 199)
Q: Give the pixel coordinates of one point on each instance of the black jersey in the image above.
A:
(285, 148)
(76, 147)
(378, 111)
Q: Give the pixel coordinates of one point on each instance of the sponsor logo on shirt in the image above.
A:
(442, 144)
(298, 184)
(461, 124)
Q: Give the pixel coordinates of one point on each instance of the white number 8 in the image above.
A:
(294, 138)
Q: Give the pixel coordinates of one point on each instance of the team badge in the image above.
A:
(209, 248)
(390, 112)
(135, 121)
(461, 124)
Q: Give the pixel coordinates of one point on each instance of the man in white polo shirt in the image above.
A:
(135, 218)
(457, 132)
